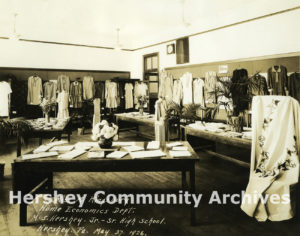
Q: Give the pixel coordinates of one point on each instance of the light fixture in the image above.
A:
(184, 22)
(118, 46)
(14, 36)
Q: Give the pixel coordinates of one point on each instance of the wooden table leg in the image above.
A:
(50, 182)
(192, 191)
(183, 180)
(23, 214)
(19, 146)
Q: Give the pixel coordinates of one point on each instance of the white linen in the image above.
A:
(274, 156)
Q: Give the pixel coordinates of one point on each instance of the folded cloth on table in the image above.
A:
(95, 155)
(133, 148)
(180, 154)
(116, 154)
(60, 142)
(38, 155)
(62, 148)
(147, 154)
(42, 148)
(72, 154)
(153, 145)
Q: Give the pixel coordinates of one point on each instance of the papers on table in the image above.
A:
(39, 155)
(95, 155)
(85, 145)
(62, 148)
(147, 154)
(42, 148)
(72, 154)
(180, 148)
(153, 145)
(174, 144)
(123, 143)
(133, 148)
(116, 154)
(56, 143)
(180, 154)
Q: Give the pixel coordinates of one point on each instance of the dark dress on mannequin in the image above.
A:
(239, 90)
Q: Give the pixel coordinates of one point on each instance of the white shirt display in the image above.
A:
(128, 96)
(5, 90)
(187, 85)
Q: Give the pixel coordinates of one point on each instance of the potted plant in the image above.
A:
(105, 133)
(234, 97)
(14, 128)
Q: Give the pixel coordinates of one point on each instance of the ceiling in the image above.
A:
(141, 22)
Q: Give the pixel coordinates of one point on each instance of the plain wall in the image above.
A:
(277, 34)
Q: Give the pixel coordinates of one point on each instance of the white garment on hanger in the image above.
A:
(111, 93)
(177, 91)
(198, 90)
(5, 90)
(165, 85)
(128, 96)
(35, 90)
(63, 100)
(274, 157)
(187, 85)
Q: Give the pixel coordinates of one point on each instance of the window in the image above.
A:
(151, 77)
(182, 50)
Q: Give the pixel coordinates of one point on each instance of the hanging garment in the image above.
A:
(274, 157)
(166, 85)
(99, 90)
(35, 90)
(128, 96)
(111, 93)
(63, 83)
(198, 91)
(76, 95)
(187, 86)
(160, 120)
(88, 87)
(210, 86)
(50, 91)
(140, 89)
(97, 109)
(239, 79)
(260, 85)
(223, 90)
(294, 86)
(62, 100)
(177, 91)
(5, 90)
(277, 80)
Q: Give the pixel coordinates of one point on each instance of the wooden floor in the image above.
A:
(211, 175)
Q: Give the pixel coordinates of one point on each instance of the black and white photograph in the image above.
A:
(149, 117)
